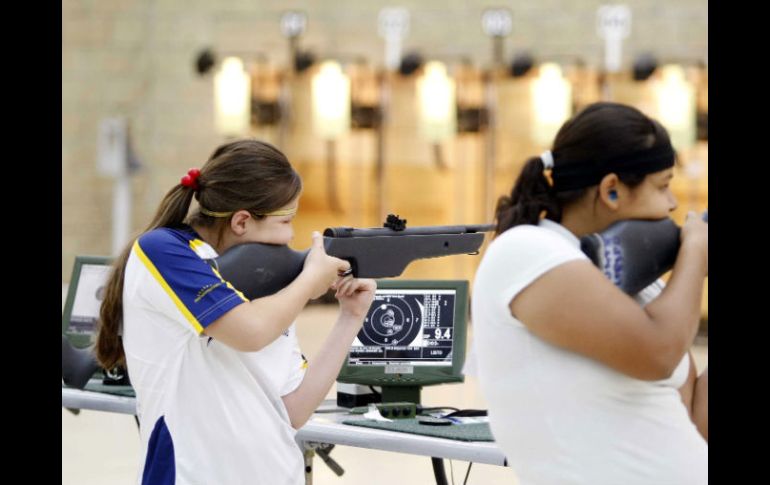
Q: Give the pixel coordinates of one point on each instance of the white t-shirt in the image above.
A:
(562, 418)
(209, 414)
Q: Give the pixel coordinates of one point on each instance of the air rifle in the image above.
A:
(258, 269)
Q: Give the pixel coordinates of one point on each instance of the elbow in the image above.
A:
(657, 371)
(297, 418)
(247, 345)
(256, 345)
(297, 423)
(661, 362)
(243, 344)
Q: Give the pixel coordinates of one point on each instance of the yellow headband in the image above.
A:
(284, 212)
(215, 214)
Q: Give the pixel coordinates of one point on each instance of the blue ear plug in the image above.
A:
(613, 195)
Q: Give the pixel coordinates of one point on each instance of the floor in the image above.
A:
(99, 448)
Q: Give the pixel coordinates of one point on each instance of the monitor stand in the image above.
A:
(401, 394)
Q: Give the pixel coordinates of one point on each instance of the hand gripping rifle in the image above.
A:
(258, 269)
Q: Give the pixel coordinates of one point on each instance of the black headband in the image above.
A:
(571, 175)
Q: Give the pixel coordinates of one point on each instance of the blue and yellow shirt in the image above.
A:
(208, 413)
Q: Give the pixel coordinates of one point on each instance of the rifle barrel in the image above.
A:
(409, 231)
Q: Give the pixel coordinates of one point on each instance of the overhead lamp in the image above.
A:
(331, 118)
(232, 92)
(551, 103)
(676, 106)
(331, 101)
(436, 95)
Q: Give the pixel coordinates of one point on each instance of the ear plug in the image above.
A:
(613, 195)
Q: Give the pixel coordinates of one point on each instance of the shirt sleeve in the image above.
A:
(646, 295)
(196, 289)
(525, 255)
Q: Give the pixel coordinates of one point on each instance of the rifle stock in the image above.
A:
(634, 253)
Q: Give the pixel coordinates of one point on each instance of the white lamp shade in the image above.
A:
(551, 103)
(438, 106)
(676, 106)
(331, 101)
(232, 93)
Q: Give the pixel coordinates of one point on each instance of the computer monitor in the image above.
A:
(84, 298)
(413, 336)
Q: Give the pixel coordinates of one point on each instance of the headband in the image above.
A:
(283, 212)
(578, 174)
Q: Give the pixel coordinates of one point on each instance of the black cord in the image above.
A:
(376, 394)
(467, 473)
(421, 409)
(467, 413)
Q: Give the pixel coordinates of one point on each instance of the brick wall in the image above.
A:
(135, 59)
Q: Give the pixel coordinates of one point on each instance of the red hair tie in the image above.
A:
(191, 179)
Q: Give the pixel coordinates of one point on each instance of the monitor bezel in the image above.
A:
(78, 340)
(428, 374)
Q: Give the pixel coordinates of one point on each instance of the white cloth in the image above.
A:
(209, 414)
(562, 418)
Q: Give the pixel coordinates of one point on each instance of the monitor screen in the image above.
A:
(413, 335)
(407, 326)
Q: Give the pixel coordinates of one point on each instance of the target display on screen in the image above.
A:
(411, 326)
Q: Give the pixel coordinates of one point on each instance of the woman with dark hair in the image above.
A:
(585, 384)
(221, 384)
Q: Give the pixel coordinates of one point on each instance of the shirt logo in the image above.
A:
(206, 290)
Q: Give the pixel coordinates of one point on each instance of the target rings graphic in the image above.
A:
(393, 322)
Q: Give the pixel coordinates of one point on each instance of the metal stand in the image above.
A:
(322, 450)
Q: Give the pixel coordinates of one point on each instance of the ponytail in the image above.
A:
(531, 195)
(109, 343)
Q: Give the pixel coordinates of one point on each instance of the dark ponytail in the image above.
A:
(531, 195)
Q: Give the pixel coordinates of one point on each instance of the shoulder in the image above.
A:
(521, 254)
(165, 236)
(166, 243)
(526, 241)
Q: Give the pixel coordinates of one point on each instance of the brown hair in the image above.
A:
(600, 131)
(240, 175)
